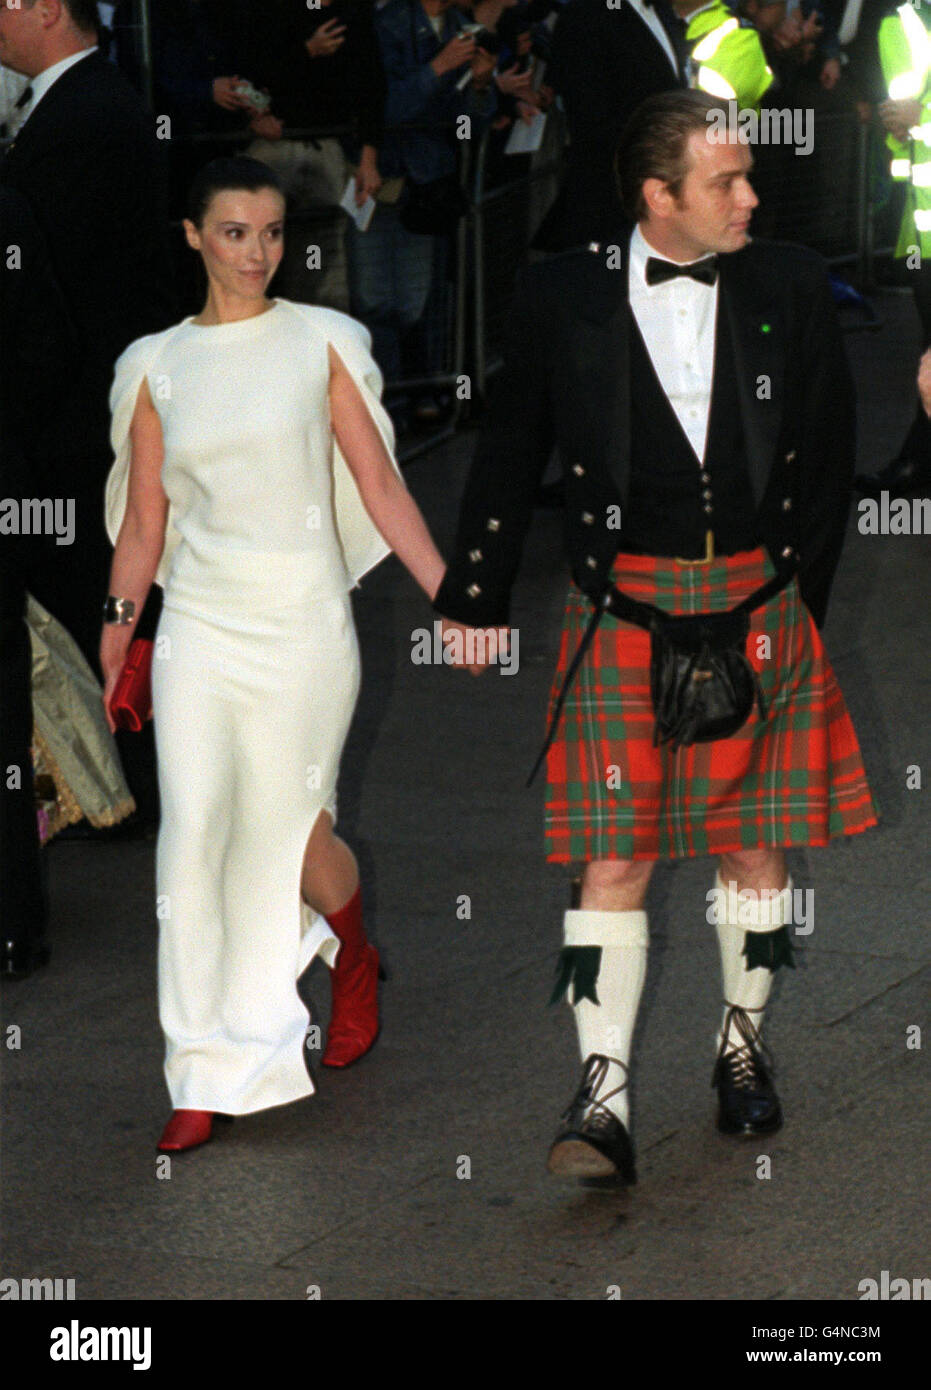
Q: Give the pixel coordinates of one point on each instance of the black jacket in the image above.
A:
(88, 164)
(565, 382)
(605, 62)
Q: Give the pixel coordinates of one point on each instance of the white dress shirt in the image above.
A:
(653, 22)
(677, 322)
(12, 86)
(44, 80)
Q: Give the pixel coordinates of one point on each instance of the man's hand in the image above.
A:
(899, 116)
(788, 34)
(515, 83)
(267, 126)
(454, 54)
(328, 38)
(483, 65)
(226, 95)
(830, 74)
(368, 179)
(924, 380)
(484, 645)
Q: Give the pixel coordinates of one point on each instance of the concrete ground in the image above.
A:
(420, 1173)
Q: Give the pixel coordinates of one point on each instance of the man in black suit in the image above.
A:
(606, 59)
(38, 346)
(87, 161)
(695, 385)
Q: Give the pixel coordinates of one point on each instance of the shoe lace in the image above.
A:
(745, 1062)
(593, 1078)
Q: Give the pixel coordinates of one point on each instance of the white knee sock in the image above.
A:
(748, 989)
(607, 1027)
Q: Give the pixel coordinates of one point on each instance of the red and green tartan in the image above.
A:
(793, 779)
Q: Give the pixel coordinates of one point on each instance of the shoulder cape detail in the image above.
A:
(362, 544)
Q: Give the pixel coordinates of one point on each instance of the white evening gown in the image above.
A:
(255, 677)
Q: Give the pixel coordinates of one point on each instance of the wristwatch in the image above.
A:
(119, 610)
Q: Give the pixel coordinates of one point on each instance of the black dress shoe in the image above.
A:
(19, 959)
(747, 1100)
(593, 1143)
(899, 478)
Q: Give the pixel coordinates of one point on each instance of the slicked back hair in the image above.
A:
(653, 144)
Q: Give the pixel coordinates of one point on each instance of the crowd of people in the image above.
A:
(368, 95)
(331, 132)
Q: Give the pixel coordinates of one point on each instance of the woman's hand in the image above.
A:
(141, 540)
(114, 644)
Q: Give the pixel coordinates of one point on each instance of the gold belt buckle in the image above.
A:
(708, 556)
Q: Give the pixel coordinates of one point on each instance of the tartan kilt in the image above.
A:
(793, 779)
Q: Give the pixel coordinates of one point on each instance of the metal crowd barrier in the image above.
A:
(836, 199)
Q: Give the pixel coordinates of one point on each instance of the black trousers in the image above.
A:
(917, 443)
(23, 906)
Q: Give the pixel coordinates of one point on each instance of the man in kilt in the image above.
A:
(695, 384)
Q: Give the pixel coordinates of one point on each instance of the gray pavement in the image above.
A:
(360, 1191)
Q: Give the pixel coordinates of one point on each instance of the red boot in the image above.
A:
(354, 1022)
(185, 1130)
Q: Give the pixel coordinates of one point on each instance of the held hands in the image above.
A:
(326, 40)
(474, 649)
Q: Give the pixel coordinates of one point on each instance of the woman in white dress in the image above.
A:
(255, 480)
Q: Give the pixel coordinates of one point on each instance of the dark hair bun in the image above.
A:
(237, 172)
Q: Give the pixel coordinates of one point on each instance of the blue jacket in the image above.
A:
(415, 93)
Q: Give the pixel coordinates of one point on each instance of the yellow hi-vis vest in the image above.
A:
(727, 57)
(905, 55)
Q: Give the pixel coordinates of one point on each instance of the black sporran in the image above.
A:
(701, 682)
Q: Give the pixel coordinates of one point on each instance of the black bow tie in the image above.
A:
(24, 98)
(705, 271)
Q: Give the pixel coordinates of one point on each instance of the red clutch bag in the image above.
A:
(131, 701)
